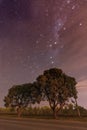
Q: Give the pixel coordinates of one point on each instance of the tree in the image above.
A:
(57, 88)
(20, 96)
(77, 107)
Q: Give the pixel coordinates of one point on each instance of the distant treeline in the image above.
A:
(45, 111)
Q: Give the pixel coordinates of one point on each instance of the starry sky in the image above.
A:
(39, 34)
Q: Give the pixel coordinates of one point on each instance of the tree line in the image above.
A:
(53, 86)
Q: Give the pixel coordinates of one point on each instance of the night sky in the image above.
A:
(39, 34)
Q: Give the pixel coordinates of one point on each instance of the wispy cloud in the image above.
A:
(82, 83)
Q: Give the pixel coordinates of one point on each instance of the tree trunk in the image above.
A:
(55, 113)
(53, 107)
(19, 111)
(79, 114)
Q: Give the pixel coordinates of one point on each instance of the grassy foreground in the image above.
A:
(44, 113)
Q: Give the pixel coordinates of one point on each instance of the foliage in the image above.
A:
(57, 88)
(20, 96)
(45, 112)
(53, 86)
(38, 111)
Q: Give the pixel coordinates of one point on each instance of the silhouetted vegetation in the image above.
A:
(53, 86)
(45, 112)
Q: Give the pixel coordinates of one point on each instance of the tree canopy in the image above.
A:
(53, 86)
(21, 96)
(57, 87)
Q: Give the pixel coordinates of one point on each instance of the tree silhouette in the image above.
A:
(57, 88)
(20, 96)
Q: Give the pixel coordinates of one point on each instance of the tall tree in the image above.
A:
(21, 96)
(57, 88)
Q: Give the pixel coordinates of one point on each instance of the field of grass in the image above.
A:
(44, 113)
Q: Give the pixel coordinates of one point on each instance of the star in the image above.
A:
(68, 1)
(52, 62)
(51, 57)
(73, 7)
(64, 28)
(50, 45)
(55, 43)
(80, 24)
